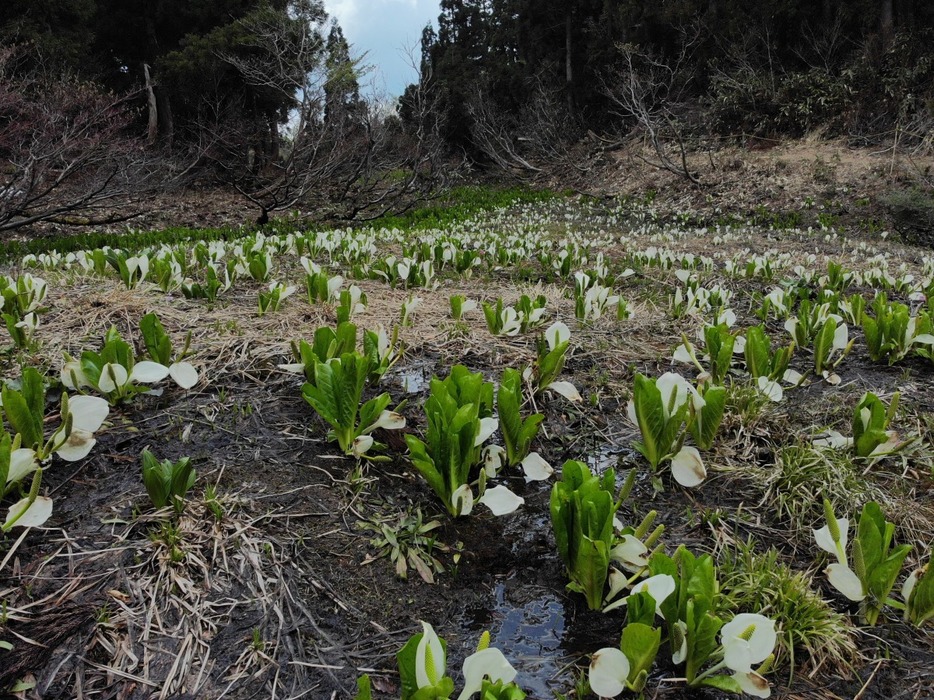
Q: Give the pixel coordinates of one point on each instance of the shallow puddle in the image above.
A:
(530, 634)
(413, 378)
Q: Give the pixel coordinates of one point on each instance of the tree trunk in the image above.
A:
(904, 15)
(886, 22)
(273, 138)
(166, 119)
(152, 132)
(568, 61)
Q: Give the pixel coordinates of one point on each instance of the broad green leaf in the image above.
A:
(371, 410)
(823, 343)
(725, 683)
(363, 688)
(757, 352)
(21, 417)
(6, 453)
(427, 468)
(921, 600)
(157, 479)
(640, 644)
(591, 567)
(157, 342)
(882, 578)
(706, 422)
(650, 416)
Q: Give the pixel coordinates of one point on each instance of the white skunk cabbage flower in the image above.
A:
(493, 457)
(536, 468)
(387, 420)
(825, 540)
(845, 580)
(22, 463)
(489, 662)
(630, 553)
(675, 391)
(87, 415)
(567, 390)
(688, 468)
(500, 500)
(556, 334)
(748, 639)
(659, 587)
(609, 671)
(73, 376)
(24, 514)
(429, 659)
(361, 444)
(184, 374)
(462, 500)
(772, 389)
(832, 438)
(487, 428)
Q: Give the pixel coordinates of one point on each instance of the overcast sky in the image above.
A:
(383, 29)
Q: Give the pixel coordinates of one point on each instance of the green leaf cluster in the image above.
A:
(405, 658)
(317, 287)
(259, 265)
(517, 433)
(875, 560)
(549, 362)
(691, 611)
(529, 311)
(454, 410)
(920, 604)
(114, 351)
(494, 316)
(640, 639)
(336, 395)
(130, 274)
(824, 359)
(158, 345)
(211, 287)
(892, 332)
(660, 435)
(761, 361)
(582, 510)
(328, 343)
(25, 411)
(870, 423)
(167, 482)
(704, 424)
(719, 343)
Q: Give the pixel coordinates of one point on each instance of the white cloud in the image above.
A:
(383, 29)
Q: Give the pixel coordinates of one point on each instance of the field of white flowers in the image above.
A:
(563, 448)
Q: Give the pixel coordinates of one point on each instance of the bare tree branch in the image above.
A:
(648, 90)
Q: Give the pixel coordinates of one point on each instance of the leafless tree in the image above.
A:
(546, 126)
(495, 133)
(358, 165)
(66, 155)
(650, 91)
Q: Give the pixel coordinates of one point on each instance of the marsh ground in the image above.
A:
(284, 594)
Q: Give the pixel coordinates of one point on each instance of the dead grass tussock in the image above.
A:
(182, 597)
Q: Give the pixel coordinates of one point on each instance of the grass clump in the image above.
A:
(804, 474)
(744, 405)
(757, 581)
(458, 204)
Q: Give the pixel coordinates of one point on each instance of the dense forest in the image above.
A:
(539, 69)
(264, 95)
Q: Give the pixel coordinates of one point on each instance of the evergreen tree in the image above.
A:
(342, 88)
